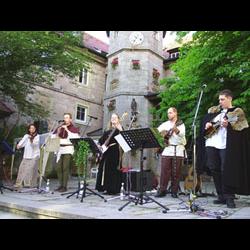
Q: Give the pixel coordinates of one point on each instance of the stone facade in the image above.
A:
(66, 94)
(125, 83)
(113, 82)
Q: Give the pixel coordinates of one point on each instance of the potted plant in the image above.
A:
(114, 63)
(81, 159)
(136, 64)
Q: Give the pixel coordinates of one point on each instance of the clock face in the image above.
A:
(136, 38)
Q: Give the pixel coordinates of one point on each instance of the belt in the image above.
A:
(65, 145)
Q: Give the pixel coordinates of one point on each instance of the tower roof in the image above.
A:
(164, 33)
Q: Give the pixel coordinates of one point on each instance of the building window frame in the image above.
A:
(84, 77)
(82, 106)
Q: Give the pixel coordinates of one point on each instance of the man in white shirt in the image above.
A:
(173, 154)
(224, 158)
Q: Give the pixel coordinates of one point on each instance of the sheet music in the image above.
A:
(119, 138)
(43, 138)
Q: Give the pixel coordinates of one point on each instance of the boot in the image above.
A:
(174, 195)
(217, 182)
(230, 203)
(220, 200)
(161, 194)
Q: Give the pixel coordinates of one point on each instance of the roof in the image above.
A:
(164, 33)
(94, 43)
(167, 54)
(99, 47)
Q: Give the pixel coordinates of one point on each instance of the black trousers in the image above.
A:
(216, 164)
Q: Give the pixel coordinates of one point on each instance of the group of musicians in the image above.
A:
(222, 153)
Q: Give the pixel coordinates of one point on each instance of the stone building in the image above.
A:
(123, 77)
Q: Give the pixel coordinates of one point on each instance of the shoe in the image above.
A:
(219, 201)
(58, 189)
(109, 193)
(17, 186)
(161, 194)
(230, 203)
(63, 189)
(174, 195)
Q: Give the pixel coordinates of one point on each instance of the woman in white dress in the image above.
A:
(28, 170)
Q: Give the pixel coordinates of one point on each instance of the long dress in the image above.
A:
(28, 169)
(109, 176)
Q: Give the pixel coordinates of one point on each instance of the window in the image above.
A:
(106, 78)
(81, 113)
(83, 77)
(174, 55)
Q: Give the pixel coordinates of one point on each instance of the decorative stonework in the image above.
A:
(111, 105)
(114, 84)
(155, 74)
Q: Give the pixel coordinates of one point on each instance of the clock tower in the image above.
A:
(135, 64)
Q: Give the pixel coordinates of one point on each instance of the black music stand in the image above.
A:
(94, 149)
(140, 139)
(7, 150)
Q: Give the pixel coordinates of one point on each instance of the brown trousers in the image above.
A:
(170, 169)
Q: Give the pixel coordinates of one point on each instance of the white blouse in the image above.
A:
(31, 150)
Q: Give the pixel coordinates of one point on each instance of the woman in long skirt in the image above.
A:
(28, 170)
(109, 175)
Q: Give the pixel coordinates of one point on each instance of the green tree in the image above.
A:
(219, 59)
(31, 57)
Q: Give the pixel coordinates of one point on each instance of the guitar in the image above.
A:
(190, 183)
(104, 147)
(168, 133)
(216, 125)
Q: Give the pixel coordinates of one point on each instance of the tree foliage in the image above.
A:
(219, 59)
(28, 57)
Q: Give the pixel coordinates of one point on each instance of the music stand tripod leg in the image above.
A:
(72, 193)
(139, 199)
(92, 192)
(3, 187)
(159, 204)
(120, 209)
(84, 188)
